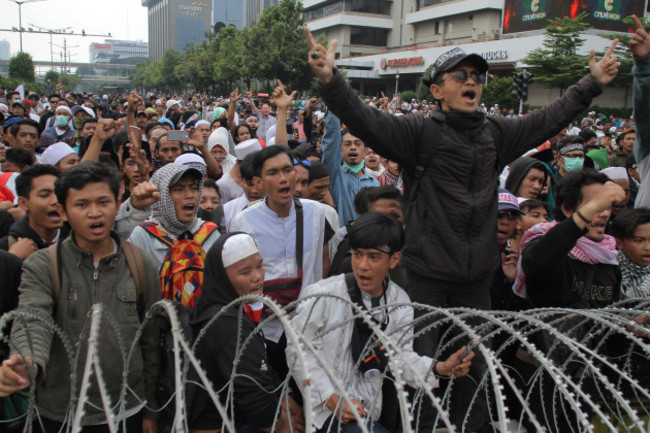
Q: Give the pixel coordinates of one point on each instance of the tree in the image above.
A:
(499, 91)
(21, 67)
(276, 47)
(227, 61)
(558, 64)
(51, 75)
(170, 60)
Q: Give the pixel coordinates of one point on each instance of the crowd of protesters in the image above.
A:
(125, 200)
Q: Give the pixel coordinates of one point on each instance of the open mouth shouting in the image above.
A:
(469, 96)
(97, 228)
(189, 210)
(285, 192)
(54, 217)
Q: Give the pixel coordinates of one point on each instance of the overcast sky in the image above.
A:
(124, 19)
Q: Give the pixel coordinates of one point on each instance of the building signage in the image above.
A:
(399, 63)
(495, 55)
(102, 46)
(193, 9)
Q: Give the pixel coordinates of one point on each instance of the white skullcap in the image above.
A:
(63, 107)
(238, 247)
(56, 152)
(615, 173)
(612, 129)
(218, 137)
(188, 158)
(247, 147)
(202, 122)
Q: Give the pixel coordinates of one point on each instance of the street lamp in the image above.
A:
(396, 82)
(20, 18)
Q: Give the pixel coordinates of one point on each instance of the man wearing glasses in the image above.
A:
(453, 159)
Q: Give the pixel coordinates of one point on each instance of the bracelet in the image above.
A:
(582, 217)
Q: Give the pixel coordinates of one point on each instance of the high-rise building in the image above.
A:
(5, 50)
(253, 9)
(117, 49)
(227, 13)
(175, 24)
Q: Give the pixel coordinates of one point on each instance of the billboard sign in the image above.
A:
(527, 15)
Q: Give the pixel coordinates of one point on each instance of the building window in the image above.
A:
(437, 28)
(368, 36)
(332, 7)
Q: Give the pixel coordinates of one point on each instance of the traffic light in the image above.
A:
(520, 84)
(526, 78)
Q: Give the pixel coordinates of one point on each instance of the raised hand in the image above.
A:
(321, 60)
(282, 100)
(235, 95)
(457, 364)
(144, 194)
(133, 99)
(606, 68)
(640, 43)
(106, 128)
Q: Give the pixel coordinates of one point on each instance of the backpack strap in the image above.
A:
(157, 233)
(353, 290)
(133, 257)
(54, 251)
(299, 233)
(204, 232)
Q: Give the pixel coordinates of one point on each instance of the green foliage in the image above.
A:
(273, 48)
(21, 67)
(557, 64)
(423, 91)
(12, 83)
(51, 75)
(69, 81)
(407, 95)
(499, 91)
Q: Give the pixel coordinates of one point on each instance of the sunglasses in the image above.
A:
(462, 75)
(512, 216)
(304, 162)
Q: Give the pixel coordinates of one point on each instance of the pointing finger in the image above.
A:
(310, 38)
(280, 83)
(332, 48)
(592, 57)
(637, 22)
(293, 94)
(611, 48)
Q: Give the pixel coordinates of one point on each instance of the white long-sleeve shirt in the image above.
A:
(320, 319)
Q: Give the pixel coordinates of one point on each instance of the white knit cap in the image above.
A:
(615, 173)
(171, 103)
(218, 137)
(193, 160)
(56, 152)
(201, 122)
(238, 247)
(247, 147)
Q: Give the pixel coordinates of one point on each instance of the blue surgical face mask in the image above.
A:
(573, 164)
(61, 121)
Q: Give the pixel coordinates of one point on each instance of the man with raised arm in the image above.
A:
(453, 159)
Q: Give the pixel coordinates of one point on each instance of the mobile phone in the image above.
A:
(178, 135)
(135, 137)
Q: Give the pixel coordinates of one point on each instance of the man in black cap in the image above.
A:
(451, 162)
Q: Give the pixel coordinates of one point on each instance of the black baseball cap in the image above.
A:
(450, 59)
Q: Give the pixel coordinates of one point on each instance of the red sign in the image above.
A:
(406, 61)
(102, 46)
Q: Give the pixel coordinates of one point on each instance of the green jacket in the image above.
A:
(82, 286)
(617, 159)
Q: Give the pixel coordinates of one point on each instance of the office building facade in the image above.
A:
(175, 24)
(253, 10)
(228, 13)
(5, 50)
(117, 49)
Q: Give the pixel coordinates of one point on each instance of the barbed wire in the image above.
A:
(551, 369)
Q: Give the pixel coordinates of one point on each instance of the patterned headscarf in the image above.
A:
(163, 210)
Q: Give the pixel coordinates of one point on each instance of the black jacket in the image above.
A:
(230, 336)
(451, 230)
(21, 229)
(553, 279)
